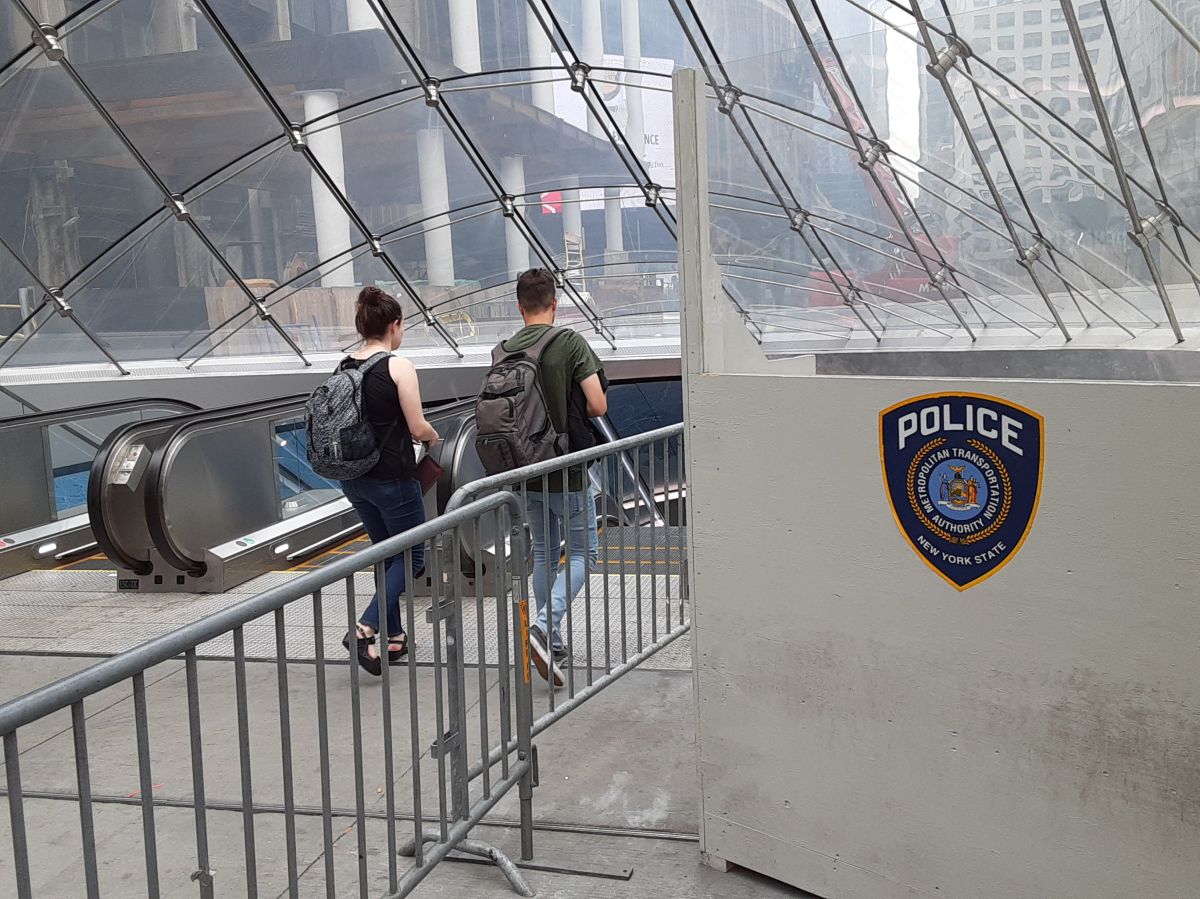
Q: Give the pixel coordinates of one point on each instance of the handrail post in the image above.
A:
(451, 611)
(523, 685)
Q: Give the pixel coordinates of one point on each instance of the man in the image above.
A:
(573, 383)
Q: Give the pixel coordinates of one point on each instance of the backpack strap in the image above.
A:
(364, 365)
(371, 362)
(534, 351)
(543, 342)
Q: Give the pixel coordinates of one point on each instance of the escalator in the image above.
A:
(204, 501)
(210, 500)
(47, 460)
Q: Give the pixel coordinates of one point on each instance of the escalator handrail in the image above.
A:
(159, 470)
(94, 411)
(81, 413)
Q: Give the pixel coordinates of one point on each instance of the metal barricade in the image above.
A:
(435, 694)
(635, 586)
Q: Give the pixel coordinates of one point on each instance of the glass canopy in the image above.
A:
(192, 179)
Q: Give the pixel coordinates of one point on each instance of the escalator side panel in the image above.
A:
(216, 489)
(26, 497)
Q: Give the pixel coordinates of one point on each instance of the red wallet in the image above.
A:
(428, 472)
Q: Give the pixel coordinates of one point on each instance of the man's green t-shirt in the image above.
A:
(566, 363)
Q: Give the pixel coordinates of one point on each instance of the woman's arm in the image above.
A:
(404, 373)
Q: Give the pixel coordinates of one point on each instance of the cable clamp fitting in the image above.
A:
(54, 296)
(874, 153)
(433, 92)
(579, 76)
(174, 202)
(296, 136)
(46, 37)
(955, 50)
(1151, 227)
(727, 98)
(1032, 253)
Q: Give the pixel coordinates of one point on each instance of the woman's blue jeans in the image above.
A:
(388, 508)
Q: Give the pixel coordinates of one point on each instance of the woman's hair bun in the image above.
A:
(375, 312)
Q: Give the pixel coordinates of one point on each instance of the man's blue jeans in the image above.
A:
(388, 508)
(548, 513)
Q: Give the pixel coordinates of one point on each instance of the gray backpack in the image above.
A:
(512, 420)
(342, 444)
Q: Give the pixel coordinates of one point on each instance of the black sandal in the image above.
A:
(396, 656)
(368, 662)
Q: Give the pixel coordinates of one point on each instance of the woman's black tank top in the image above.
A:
(381, 405)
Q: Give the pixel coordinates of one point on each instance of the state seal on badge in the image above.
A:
(963, 476)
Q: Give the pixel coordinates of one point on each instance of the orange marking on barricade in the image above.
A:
(524, 604)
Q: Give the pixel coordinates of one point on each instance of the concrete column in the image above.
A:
(435, 200)
(332, 223)
(539, 57)
(593, 53)
(593, 49)
(283, 20)
(172, 27)
(631, 37)
(512, 176)
(614, 233)
(464, 35)
(572, 211)
(360, 16)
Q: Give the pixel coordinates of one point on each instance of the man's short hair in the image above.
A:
(535, 290)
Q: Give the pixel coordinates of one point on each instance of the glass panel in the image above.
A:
(1164, 74)
(50, 339)
(14, 35)
(499, 36)
(436, 176)
(70, 188)
(19, 296)
(660, 36)
(300, 489)
(161, 291)
(1087, 224)
(73, 446)
(275, 220)
(317, 54)
(79, 211)
(213, 115)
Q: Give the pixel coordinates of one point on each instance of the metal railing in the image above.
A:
(470, 696)
(638, 486)
(460, 802)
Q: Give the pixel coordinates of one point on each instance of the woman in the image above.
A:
(388, 497)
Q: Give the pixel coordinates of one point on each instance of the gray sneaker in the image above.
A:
(541, 658)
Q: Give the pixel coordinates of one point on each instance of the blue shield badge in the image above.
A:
(963, 474)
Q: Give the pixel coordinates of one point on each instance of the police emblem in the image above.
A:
(963, 474)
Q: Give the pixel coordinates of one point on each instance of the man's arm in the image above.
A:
(593, 392)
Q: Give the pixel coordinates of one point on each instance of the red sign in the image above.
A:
(552, 202)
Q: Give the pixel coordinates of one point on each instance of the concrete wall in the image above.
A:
(865, 730)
